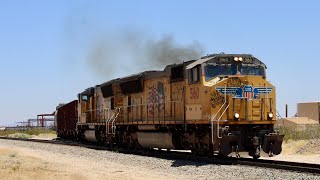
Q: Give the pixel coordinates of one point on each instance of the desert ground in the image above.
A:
(27, 163)
(301, 151)
(25, 160)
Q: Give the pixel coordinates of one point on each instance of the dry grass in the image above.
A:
(309, 133)
(291, 147)
(28, 133)
(15, 164)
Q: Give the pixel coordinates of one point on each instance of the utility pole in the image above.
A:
(319, 112)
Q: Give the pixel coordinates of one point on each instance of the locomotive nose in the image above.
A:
(246, 105)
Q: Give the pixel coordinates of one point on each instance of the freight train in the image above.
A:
(219, 104)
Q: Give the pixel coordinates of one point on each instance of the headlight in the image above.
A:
(238, 59)
(236, 115)
(270, 115)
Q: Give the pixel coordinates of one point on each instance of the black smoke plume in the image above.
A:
(127, 52)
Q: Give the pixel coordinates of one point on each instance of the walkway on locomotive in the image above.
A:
(190, 92)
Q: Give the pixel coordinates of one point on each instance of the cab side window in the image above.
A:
(84, 98)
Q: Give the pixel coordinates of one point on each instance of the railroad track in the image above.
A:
(271, 164)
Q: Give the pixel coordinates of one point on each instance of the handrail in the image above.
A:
(103, 110)
(224, 111)
(219, 119)
(212, 119)
(108, 122)
(277, 112)
(112, 121)
(149, 104)
(279, 115)
(107, 114)
(113, 127)
(160, 116)
(225, 101)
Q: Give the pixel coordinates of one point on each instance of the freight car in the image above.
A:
(219, 104)
(66, 117)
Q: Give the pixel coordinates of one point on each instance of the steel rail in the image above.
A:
(270, 164)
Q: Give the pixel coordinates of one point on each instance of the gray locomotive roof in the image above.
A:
(146, 74)
(215, 57)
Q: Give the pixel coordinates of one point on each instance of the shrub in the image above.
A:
(309, 133)
(32, 131)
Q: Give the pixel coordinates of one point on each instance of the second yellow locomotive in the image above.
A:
(219, 104)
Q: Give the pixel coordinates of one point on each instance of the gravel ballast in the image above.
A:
(103, 164)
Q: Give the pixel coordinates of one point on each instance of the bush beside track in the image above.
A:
(309, 133)
(27, 133)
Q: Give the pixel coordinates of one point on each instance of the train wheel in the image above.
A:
(271, 150)
(256, 154)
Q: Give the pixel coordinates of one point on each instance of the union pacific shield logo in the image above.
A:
(246, 92)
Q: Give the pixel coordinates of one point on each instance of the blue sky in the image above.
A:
(43, 44)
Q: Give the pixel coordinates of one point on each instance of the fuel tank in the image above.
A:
(155, 140)
(90, 135)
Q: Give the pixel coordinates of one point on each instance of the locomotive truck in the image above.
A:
(219, 104)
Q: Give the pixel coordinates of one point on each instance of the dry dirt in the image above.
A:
(47, 136)
(25, 164)
(301, 151)
(21, 160)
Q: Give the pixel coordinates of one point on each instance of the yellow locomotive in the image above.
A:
(218, 104)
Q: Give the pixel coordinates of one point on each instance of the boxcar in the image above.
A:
(66, 118)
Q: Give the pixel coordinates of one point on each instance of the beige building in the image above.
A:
(298, 123)
(310, 110)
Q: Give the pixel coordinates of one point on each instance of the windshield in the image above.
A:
(252, 70)
(212, 71)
